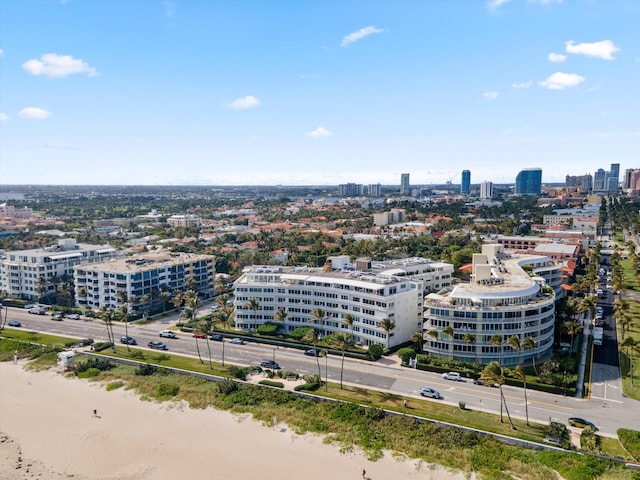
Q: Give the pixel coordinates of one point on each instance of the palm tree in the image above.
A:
(107, 315)
(340, 341)
(124, 316)
(588, 305)
(494, 374)
(572, 328)
(497, 341)
(621, 314)
(348, 320)
(417, 338)
(470, 339)
(317, 316)
(448, 331)
(629, 344)
(387, 325)
(529, 343)
(204, 327)
(253, 304)
(192, 302)
(514, 343)
(176, 300)
(518, 373)
(281, 316)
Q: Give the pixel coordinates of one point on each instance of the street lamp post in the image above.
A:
(326, 370)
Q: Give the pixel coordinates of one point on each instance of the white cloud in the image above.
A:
(560, 81)
(169, 9)
(603, 50)
(360, 34)
(494, 4)
(319, 133)
(245, 102)
(490, 95)
(1, 53)
(545, 2)
(522, 84)
(58, 66)
(34, 113)
(556, 57)
(3, 117)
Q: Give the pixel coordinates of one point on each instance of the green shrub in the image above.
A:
(98, 347)
(86, 341)
(239, 373)
(268, 328)
(89, 373)
(630, 440)
(271, 383)
(310, 387)
(114, 385)
(137, 354)
(101, 364)
(375, 351)
(287, 374)
(166, 389)
(299, 333)
(187, 329)
(406, 354)
(145, 370)
(227, 386)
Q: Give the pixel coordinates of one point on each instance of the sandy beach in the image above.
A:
(48, 431)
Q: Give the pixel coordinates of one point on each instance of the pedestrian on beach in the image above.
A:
(95, 413)
(364, 473)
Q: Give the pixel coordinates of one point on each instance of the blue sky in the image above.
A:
(302, 92)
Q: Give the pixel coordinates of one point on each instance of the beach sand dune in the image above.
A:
(49, 432)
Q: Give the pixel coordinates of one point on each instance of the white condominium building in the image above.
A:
(31, 274)
(368, 297)
(505, 296)
(142, 278)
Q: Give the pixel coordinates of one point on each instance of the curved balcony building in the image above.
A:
(504, 297)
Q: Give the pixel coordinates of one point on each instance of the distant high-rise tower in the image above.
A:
(529, 182)
(486, 190)
(465, 186)
(374, 190)
(405, 188)
(612, 178)
(599, 180)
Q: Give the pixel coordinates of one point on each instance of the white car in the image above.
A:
(168, 334)
(455, 376)
(429, 392)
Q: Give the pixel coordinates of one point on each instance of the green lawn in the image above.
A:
(631, 283)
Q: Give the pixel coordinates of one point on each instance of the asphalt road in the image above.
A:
(608, 412)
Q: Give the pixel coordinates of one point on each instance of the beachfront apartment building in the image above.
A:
(142, 277)
(367, 296)
(505, 296)
(32, 274)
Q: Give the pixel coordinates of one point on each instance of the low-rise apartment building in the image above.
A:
(507, 295)
(32, 274)
(142, 278)
(368, 297)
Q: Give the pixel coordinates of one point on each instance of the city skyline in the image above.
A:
(316, 93)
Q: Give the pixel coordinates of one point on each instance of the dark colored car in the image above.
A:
(311, 353)
(477, 381)
(157, 345)
(581, 423)
(14, 323)
(128, 340)
(270, 364)
(216, 336)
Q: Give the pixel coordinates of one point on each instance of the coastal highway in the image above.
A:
(386, 374)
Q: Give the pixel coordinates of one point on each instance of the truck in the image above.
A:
(598, 335)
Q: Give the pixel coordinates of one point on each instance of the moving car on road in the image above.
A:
(128, 340)
(216, 336)
(168, 334)
(429, 392)
(270, 364)
(237, 341)
(14, 323)
(73, 316)
(199, 335)
(581, 423)
(157, 345)
(311, 352)
(455, 376)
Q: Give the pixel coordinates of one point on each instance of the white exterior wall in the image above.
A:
(299, 291)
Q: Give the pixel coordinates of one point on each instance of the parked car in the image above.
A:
(157, 345)
(270, 364)
(455, 376)
(14, 323)
(73, 316)
(37, 311)
(168, 334)
(237, 341)
(429, 392)
(216, 336)
(128, 340)
(311, 352)
(57, 316)
(478, 381)
(199, 335)
(581, 423)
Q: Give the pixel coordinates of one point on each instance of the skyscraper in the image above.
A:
(529, 181)
(486, 190)
(465, 186)
(405, 188)
(612, 178)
